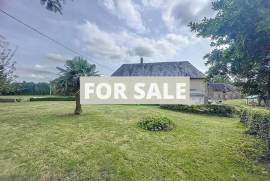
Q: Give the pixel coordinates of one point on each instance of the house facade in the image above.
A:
(198, 85)
(222, 91)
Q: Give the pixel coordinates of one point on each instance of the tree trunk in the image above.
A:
(260, 100)
(268, 141)
(78, 109)
(268, 92)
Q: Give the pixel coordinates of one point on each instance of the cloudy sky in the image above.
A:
(107, 32)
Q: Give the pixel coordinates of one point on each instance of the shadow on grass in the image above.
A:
(67, 115)
(264, 160)
(72, 115)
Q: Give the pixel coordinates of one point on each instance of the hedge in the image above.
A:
(62, 98)
(7, 100)
(221, 110)
(258, 123)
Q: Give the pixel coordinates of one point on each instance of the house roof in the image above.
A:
(160, 69)
(222, 87)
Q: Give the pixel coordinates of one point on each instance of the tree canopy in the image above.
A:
(29, 88)
(7, 66)
(220, 79)
(68, 83)
(240, 34)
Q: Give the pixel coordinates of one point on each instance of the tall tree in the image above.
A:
(220, 79)
(69, 79)
(240, 34)
(7, 66)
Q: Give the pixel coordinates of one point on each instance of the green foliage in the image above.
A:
(7, 66)
(156, 123)
(258, 123)
(69, 81)
(221, 110)
(19, 99)
(220, 79)
(10, 99)
(240, 34)
(104, 143)
(244, 116)
(60, 98)
(29, 88)
(7, 100)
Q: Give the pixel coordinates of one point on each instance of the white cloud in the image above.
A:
(153, 3)
(44, 70)
(177, 39)
(35, 73)
(126, 45)
(39, 66)
(125, 10)
(99, 43)
(143, 50)
(178, 13)
(160, 21)
(57, 58)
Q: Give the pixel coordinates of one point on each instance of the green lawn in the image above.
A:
(42, 140)
(242, 103)
(236, 102)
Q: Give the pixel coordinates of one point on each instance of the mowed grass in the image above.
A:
(44, 141)
(242, 103)
(236, 102)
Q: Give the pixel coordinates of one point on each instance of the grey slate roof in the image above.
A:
(160, 69)
(221, 87)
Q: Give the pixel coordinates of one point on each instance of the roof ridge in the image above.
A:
(156, 62)
(176, 68)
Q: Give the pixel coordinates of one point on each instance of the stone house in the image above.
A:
(222, 91)
(198, 86)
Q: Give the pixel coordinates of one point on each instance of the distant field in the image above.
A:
(43, 140)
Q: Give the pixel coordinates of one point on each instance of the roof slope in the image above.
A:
(160, 69)
(221, 87)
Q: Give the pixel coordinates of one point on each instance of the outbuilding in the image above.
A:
(222, 91)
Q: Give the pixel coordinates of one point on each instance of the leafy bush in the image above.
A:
(7, 100)
(156, 123)
(18, 99)
(61, 98)
(258, 123)
(244, 116)
(221, 110)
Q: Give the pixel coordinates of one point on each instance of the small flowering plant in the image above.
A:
(156, 123)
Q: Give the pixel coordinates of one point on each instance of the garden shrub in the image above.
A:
(244, 116)
(221, 110)
(7, 100)
(60, 98)
(18, 99)
(257, 123)
(156, 123)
